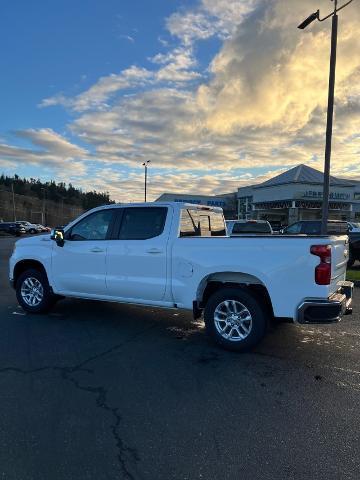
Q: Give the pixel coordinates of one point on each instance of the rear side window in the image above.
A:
(201, 223)
(251, 227)
(141, 223)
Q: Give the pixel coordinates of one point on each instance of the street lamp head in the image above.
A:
(310, 19)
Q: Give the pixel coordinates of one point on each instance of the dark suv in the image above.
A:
(12, 228)
(335, 227)
(313, 227)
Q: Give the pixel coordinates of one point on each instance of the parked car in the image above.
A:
(313, 227)
(176, 255)
(247, 227)
(335, 227)
(354, 227)
(276, 225)
(44, 229)
(12, 228)
(29, 227)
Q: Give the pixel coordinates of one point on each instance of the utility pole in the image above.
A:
(13, 201)
(145, 165)
(330, 108)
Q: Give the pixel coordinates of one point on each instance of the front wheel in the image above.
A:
(234, 319)
(33, 292)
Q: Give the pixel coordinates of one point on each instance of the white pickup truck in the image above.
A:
(176, 255)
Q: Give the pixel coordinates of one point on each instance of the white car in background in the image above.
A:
(29, 227)
(248, 227)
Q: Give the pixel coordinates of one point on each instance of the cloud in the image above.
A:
(127, 37)
(106, 87)
(270, 73)
(210, 18)
(258, 108)
(177, 66)
(128, 186)
(55, 153)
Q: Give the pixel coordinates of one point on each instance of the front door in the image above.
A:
(78, 268)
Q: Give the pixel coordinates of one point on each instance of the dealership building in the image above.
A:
(227, 201)
(297, 195)
(291, 196)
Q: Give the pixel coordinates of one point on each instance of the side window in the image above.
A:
(141, 223)
(189, 224)
(294, 229)
(238, 227)
(93, 227)
(218, 227)
(312, 228)
(198, 223)
(204, 223)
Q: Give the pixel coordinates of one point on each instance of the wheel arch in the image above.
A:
(215, 281)
(27, 264)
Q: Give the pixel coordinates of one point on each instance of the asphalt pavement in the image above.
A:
(103, 391)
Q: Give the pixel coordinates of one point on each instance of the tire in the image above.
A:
(44, 298)
(243, 331)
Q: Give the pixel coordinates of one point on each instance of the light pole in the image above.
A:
(146, 165)
(330, 109)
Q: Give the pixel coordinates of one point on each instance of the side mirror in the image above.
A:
(58, 236)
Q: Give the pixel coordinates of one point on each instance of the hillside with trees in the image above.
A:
(55, 192)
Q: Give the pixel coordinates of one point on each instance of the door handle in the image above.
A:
(96, 250)
(154, 251)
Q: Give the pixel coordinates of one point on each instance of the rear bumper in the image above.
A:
(320, 311)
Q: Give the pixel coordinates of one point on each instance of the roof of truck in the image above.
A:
(175, 205)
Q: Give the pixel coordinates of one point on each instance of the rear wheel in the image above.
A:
(235, 319)
(33, 292)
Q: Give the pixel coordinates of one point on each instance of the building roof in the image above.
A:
(303, 174)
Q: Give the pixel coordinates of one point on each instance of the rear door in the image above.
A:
(137, 259)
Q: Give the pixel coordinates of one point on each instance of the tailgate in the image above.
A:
(339, 259)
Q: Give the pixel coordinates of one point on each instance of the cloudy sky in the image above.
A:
(216, 93)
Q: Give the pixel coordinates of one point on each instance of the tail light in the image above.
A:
(323, 270)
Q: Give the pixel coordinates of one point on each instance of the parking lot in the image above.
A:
(106, 391)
